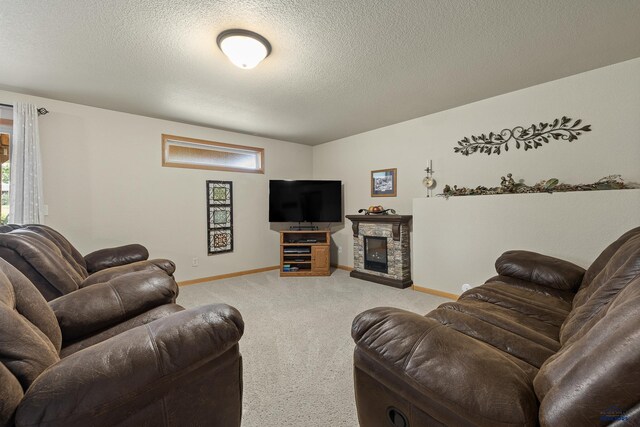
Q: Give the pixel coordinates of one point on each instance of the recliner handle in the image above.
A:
(396, 418)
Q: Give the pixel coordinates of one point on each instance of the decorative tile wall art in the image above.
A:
(220, 216)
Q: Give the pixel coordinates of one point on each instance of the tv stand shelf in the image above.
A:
(305, 253)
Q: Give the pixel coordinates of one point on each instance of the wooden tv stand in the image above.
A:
(305, 253)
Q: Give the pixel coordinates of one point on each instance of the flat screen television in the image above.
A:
(305, 201)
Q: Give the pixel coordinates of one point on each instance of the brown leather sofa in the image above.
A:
(543, 343)
(56, 267)
(89, 359)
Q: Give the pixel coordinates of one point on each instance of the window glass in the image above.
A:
(6, 132)
(200, 154)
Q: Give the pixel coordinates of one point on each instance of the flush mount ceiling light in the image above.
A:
(245, 49)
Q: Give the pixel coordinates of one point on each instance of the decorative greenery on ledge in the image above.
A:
(531, 137)
(509, 186)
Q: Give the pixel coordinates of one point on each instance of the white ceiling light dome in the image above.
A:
(245, 49)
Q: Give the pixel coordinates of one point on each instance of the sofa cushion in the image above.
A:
(520, 324)
(566, 296)
(529, 303)
(502, 339)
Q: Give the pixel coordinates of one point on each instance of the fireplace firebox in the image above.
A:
(375, 254)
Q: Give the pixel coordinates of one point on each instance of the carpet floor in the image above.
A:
(297, 348)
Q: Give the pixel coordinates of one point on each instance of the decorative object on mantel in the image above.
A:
(509, 186)
(531, 137)
(219, 216)
(377, 210)
(384, 183)
(428, 180)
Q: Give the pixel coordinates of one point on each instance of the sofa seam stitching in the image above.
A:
(117, 295)
(416, 344)
(156, 351)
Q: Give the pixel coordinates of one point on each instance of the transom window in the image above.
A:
(181, 152)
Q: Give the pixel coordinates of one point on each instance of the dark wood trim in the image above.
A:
(396, 283)
(381, 218)
(354, 228)
(395, 220)
(395, 230)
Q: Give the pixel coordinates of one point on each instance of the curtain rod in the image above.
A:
(41, 111)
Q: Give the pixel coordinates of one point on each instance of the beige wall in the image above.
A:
(607, 98)
(104, 186)
(575, 226)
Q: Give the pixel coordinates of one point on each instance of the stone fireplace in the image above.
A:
(381, 249)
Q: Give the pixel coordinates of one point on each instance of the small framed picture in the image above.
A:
(384, 183)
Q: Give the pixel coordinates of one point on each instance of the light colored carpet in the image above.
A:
(297, 348)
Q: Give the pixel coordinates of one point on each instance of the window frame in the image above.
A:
(167, 163)
(6, 128)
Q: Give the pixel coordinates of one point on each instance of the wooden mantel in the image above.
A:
(395, 220)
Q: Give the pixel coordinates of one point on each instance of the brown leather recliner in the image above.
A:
(56, 267)
(543, 343)
(86, 359)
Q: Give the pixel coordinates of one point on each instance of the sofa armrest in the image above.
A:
(113, 257)
(148, 265)
(94, 308)
(109, 382)
(541, 269)
(450, 375)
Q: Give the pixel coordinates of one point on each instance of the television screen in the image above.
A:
(305, 201)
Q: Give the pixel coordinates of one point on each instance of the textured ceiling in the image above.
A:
(337, 68)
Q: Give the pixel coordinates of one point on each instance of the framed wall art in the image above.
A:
(219, 216)
(384, 183)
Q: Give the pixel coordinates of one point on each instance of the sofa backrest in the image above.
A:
(48, 259)
(29, 334)
(621, 269)
(593, 379)
(599, 264)
(595, 372)
(65, 246)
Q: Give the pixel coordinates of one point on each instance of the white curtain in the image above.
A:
(25, 191)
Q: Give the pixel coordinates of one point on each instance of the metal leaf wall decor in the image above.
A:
(527, 138)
